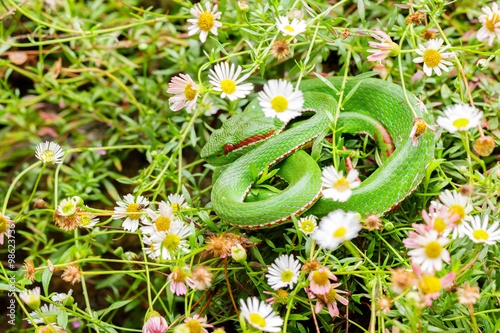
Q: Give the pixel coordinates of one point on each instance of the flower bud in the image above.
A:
(238, 253)
(395, 49)
(243, 6)
(388, 226)
(483, 64)
(484, 145)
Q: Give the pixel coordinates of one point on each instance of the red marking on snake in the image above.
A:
(348, 164)
(246, 142)
(386, 138)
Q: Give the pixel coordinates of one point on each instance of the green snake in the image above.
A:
(249, 141)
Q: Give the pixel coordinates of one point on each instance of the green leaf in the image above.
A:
(351, 92)
(62, 318)
(46, 276)
(115, 306)
(328, 83)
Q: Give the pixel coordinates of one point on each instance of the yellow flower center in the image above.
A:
(287, 276)
(171, 242)
(282, 293)
(307, 226)
(69, 207)
(432, 58)
(175, 206)
(190, 93)
(256, 319)
(340, 232)
(480, 234)
(162, 223)
(430, 285)
(133, 208)
(439, 225)
(490, 24)
(289, 28)
(279, 104)
(3, 224)
(48, 329)
(341, 184)
(85, 220)
(457, 209)
(206, 21)
(228, 86)
(420, 127)
(433, 250)
(320, 278)
(461, 122)
(330, 296)
(194, 326)
(180, 276)
(47, 156)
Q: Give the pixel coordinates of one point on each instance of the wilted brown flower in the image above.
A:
(71, 274)
(311, 266)
(384, 304)
(373, 222)
(280, 49)
(65, 222)
(220, 246)
(40, 204)
(415, 18)
(468, 295)
(202, 277)
(29, 270)
(18, 58)
(345, 33)
(484, 145)
(402, 280)
(467, 190)
(429, 34)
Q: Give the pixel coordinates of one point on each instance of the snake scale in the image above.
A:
(250, 138)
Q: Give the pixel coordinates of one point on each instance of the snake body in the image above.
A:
(374, 103)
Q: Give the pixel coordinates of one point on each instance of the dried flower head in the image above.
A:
(280, 49)
(429, 34)
(311, 266)
(29, 270)
(373, 222)
(384, 304)
(468, 295)
(220, 246)
(40, 204)
(402, 280)
(202, 277)
(71, 274)
(67, 223)
(415, 18)
(484, 145)
(345, 33)
(467, 190)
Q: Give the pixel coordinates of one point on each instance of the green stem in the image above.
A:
(14, 182)
(27, 203)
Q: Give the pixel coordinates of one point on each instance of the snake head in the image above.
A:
(239, 134)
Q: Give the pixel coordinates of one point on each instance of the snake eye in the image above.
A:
(228, 148)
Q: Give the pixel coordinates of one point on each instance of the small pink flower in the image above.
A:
(155, 324)
(178, 279)
(428, 249)
(330, 300)
(384, 49)
(491, 24)
(184, 89)
(320, 281)
(197, 324)
(431, 285)
(419, 128)
(51, 329)
(440, 219)
(5, 225)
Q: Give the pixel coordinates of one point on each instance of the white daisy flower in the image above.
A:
(336, 228)
(205, 21)
(49, 152)
(308, 224)
(67, 207)
(162, 222)
(279, 100)
(131, 210)
(88, 221)
(481, 233)
(225, 79)
(184, 89)
(49, 312)
(336, 186)
(31, 297)
(459, 117)
(290, 29)
(428, 250)
(61, 297)
(261, 315)
(153, 250)
(433, 58)
(491, 24)
(284, 272)
(459, 204)
(177, 201)
(172, 241)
